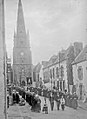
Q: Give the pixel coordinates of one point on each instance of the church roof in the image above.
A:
(81, 57)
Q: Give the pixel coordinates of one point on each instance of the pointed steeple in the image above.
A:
(14, 38)
(21, 32)
(28, 40)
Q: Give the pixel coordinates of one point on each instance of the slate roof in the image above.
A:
(55, 58)
(81, 57)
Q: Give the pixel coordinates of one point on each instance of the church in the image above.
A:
(22, 57)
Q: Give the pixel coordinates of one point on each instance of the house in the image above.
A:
(80, 73)
(58, 69)
(54, 71)
(36, 74)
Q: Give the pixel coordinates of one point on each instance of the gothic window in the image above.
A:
(80, 73)
(21, 42)
(22, 58)
(22, 53)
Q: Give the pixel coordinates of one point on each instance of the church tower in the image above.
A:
(22, 59)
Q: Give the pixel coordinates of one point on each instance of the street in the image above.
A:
(24, 112)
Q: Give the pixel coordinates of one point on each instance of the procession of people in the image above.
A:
(33, 97)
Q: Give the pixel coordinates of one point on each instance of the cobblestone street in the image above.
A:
(24, 112)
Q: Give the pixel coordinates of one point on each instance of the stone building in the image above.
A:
(80, 73)
(3, 107)
(36, 74)
(55, 71)
(22, 58)
(58, 70)
(9, 71)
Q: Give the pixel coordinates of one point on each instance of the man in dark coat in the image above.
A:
(58, 101)
(52, 101)
(17, 97)
(14, 97)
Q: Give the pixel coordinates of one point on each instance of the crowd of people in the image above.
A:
(31, 96)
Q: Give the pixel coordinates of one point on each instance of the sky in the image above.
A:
(53, 25)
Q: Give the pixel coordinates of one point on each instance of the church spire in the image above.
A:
(21, 32)
(14, 38)
(28, 40)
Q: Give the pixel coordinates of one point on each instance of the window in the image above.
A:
(62, 71)
(86, 68)
(53, 73)
(50, 73)
(80, 73)
(63, 85)
(57, 72)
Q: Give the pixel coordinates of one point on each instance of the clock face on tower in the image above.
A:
(22, 53)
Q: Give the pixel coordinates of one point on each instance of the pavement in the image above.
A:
(24, 112)
(82, 105)
(14, 112)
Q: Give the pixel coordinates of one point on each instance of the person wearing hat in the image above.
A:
(62, 101)
(52, 101)
(58, 101)
(14, 96)
(17, 97)
(45, 107)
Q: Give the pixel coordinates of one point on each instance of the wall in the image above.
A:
(63, 63)
(2, 96)
(76, 80)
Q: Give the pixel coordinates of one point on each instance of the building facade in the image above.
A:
(22, 58)
(55, 71)
(9, 71)
(58, 70)
(36, 74)
(80, 73)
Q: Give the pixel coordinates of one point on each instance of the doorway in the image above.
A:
(80, 90)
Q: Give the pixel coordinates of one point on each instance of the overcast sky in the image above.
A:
(53, 24)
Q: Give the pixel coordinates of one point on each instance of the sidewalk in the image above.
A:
(82, 105)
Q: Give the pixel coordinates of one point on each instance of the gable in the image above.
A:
(81, 57)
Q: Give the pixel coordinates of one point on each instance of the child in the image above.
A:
(45, 107)
(62, 101)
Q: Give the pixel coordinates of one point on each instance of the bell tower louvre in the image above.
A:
(22, 58)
